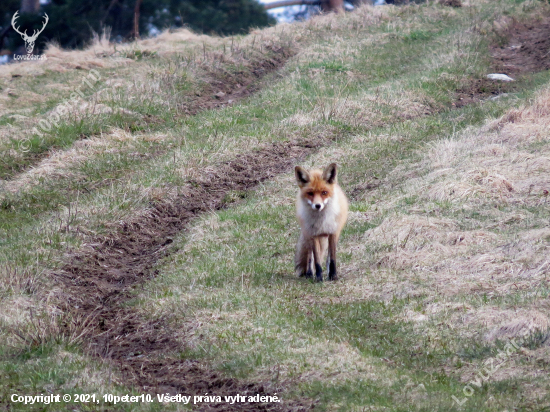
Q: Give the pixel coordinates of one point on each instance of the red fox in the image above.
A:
(322, 210)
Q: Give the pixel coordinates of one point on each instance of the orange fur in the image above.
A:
(322, 210)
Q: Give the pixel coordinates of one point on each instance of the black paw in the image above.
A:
(318, 273)
(332, 271)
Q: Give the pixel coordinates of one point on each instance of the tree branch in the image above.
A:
(286, 3)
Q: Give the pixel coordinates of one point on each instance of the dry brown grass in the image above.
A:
(63, 164)
(499, 170)
(503, 163)
(103, 54)
(413, 252)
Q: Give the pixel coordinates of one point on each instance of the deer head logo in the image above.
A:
(29, 40)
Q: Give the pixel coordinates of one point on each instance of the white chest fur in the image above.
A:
(319, 222)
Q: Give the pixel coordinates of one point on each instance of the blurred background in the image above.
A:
(73, 23)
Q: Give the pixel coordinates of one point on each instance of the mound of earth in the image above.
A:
(527, 50)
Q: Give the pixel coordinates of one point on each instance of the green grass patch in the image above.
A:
(351, 345)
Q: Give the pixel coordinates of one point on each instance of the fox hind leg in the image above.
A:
(309, 272)
(303, 260)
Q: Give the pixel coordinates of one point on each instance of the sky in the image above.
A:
(279, 13)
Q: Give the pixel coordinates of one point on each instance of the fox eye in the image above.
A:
(310, 193)
(324, 193)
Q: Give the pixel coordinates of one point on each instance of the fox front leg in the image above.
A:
(317, 260)
(332, 240)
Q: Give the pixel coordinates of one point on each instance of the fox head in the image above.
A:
(316, 186)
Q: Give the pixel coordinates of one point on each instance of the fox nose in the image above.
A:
(318, 206)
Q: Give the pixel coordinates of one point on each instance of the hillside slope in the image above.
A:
(146, 238)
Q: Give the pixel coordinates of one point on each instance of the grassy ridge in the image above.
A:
(382, 83)
(234, 279)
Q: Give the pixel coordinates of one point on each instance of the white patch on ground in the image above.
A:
(499, 76)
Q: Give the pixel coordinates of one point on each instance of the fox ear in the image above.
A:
(302, 176)
(329, 175)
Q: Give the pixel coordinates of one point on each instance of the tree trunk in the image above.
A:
(136, 19)
(30, 6)
(332, 5)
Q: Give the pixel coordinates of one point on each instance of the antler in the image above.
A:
(15, 16)
(35, 35)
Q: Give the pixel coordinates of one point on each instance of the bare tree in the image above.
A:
(136, 19)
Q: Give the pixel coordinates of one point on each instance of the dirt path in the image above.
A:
(527, 50)
(96, 282)
(222, 85)
(224, 88)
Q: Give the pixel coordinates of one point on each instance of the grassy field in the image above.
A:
(443, 263)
